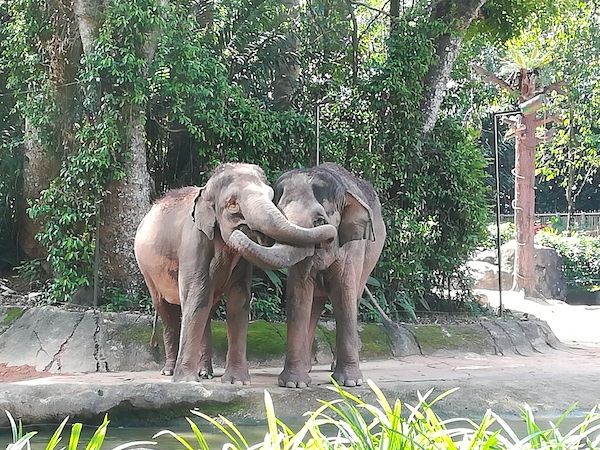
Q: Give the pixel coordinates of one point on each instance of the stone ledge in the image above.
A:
(54, 340)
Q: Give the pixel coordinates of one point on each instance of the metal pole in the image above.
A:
(497, 173)
(318, 126)
(498, 243)
(97, 258)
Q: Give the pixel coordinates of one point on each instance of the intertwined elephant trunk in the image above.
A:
(294, 243)
(276, 257)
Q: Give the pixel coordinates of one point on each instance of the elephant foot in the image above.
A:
(182, 375)
(294, 378)
(206, 371)
(168, 369)
(206, 374)
(239, 376)
(348, 376)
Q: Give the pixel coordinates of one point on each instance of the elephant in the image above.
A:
(183, 252)
(324, 195)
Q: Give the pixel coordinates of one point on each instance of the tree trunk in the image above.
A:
(89, 15)
(524, 270)
(122, 211)
(287, 69)
(524, 203)
(38, 170)
(128, 199)
(460, 14)
(570, 188)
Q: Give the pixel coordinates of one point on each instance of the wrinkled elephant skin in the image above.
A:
(338, 270)
(182, 248)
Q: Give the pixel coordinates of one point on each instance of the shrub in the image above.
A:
(580, 254)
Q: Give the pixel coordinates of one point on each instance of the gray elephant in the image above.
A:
(338, 270)
(182, 248)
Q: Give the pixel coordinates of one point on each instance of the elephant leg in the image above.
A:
(347, 343)
(315, 314)
(205, 370)
(300, 291)
(196, 302)
(171, 318)
(238, 306)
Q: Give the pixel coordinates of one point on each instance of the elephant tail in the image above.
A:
(153, 339)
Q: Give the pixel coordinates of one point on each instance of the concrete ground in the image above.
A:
(549, 382)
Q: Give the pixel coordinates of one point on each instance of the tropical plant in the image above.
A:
(22, 441)
(351, 423)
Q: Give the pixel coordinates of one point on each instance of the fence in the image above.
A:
(589, 221)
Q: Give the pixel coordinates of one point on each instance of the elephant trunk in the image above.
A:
(264, 216)
(270, 258)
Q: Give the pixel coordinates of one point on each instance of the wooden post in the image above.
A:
(523, 128)
(524, 202)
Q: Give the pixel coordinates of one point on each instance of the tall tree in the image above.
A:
(573, 158)
(128, 197)
(457, 15)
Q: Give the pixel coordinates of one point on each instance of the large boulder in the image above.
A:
(485, 276)
(549, 281)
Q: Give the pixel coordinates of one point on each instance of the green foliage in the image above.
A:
(374, 128)
(573, 157)
(11, 162)
(507, 233)
(351, 423)
(96, 442)
(501, 20)
(267, 308)
(207, 96)
(116, 300)
(581, 264)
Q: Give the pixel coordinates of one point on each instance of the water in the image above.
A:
(254, 433)
(115, 436)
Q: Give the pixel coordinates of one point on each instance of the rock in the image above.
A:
(550, 282)
(55, 340)
(485, 275)
(488, 256)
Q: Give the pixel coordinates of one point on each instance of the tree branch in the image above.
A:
(364, 5)
(557, 87)
(489, 77)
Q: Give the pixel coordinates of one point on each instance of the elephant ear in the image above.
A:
(356, 222)
(204, 215)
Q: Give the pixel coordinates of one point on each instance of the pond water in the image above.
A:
(115, 436)
(253, 432)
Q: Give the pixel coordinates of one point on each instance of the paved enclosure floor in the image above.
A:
(549, 381)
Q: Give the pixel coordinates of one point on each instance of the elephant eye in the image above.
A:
(233, 207)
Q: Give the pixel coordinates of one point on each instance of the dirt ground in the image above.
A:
(10, 374)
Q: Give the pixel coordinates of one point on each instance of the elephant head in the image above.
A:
(312, 198)
(237, 201)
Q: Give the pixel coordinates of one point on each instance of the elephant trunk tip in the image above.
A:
(326, 244)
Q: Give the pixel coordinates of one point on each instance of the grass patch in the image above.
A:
(265, 340)
(136, 334)
(435, 337)
(375, 342)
